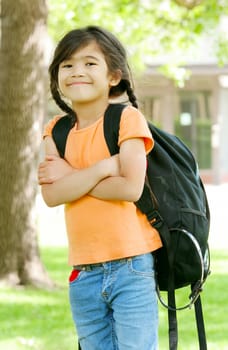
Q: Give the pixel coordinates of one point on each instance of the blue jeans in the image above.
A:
(114, 304)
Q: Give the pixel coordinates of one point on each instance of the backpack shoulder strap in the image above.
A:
(60, 132)
(112, 119)
(111, 129)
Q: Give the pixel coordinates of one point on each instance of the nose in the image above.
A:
(77, 71)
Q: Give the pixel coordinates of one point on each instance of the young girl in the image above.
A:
(111, 286)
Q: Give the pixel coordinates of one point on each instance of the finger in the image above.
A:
(41, 165)
(51, 157)
(44, 181)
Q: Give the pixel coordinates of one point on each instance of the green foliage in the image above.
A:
(147, 28)
(222, 49)
(40, 320)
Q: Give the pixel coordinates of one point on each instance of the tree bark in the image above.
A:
(22, 95)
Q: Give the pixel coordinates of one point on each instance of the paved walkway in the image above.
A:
(218, 202)
(52, 229)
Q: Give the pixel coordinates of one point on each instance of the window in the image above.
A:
(193, 125)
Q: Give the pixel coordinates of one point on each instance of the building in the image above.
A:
(197, 113)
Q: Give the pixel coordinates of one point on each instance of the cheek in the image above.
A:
(61, 82)
(62, 75)
(60, 78)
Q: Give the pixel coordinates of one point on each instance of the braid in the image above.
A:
(62, 105)
(124, 85)
(130, 93)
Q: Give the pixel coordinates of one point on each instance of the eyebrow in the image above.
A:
(84, 57)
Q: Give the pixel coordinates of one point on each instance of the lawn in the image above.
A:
(41, 320)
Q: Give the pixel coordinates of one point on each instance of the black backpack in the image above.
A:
(175, 203)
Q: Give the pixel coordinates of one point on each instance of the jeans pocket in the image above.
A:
(74, 275)
(142, 265)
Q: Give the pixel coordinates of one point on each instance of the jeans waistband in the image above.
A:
(89, 267)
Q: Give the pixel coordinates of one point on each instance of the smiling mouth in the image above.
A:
(78, 83)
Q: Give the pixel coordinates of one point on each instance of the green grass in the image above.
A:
(215, 310)
(41, 320)
(38, 319)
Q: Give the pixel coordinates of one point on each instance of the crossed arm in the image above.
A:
(119, 177)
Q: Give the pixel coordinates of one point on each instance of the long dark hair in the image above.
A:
(113, 51)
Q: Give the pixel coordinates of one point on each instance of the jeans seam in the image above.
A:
(113, 333)
(140, 273)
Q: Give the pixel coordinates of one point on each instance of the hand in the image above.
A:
(52, 169)
(112, 165)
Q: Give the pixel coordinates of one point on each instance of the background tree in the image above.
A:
(22, 96)
(164, 28)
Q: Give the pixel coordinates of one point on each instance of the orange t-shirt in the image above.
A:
(101, 230)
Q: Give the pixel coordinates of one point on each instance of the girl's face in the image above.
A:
(84, 77)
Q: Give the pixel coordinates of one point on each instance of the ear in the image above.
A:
(115, 77)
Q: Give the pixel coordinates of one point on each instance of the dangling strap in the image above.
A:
(172, 316)
(172, 313)
(200, 324)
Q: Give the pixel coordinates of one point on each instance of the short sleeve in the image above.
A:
(50, 125)
(134, 125)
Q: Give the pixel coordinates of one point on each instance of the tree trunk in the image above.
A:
(22, 95)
